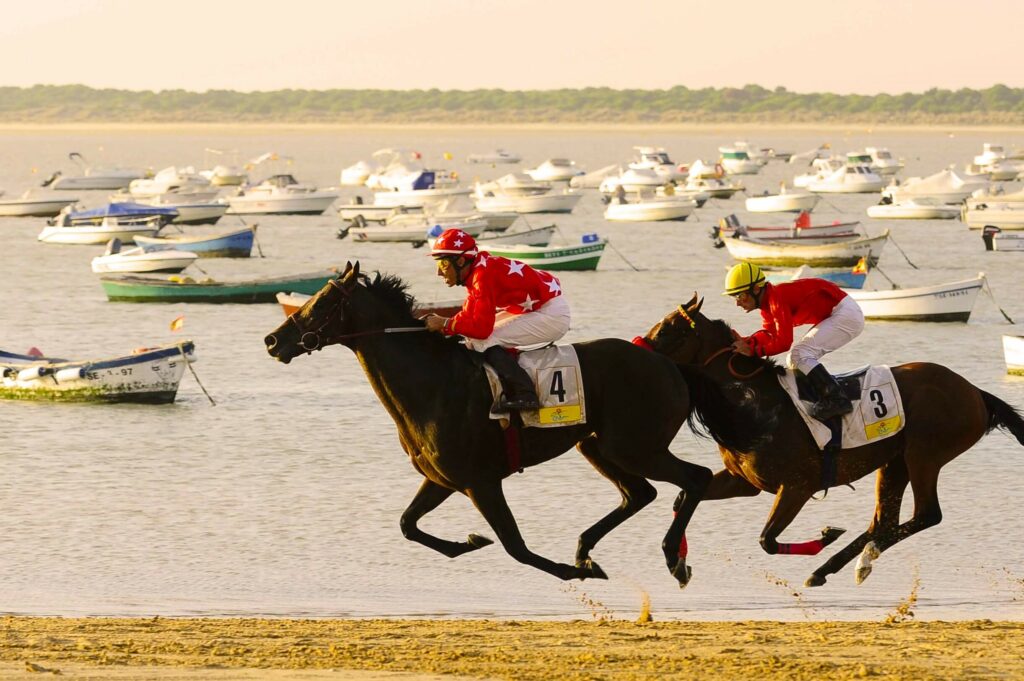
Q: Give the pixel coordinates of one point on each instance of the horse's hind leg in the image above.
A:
(891, 483)
(428, 497)
(636, 493)
(490, 501)
(788, 503)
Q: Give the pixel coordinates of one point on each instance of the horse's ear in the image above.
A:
(693, 301)
(348, 266)
(696, 308)
(355, 269)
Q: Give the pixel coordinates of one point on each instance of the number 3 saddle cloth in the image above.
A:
(555, 371)
(877, 407)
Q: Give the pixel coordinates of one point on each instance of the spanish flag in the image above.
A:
(178, 324)
(861, 267)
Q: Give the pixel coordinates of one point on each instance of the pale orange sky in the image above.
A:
(844, 46)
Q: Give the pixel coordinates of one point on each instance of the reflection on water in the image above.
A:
(285, 498)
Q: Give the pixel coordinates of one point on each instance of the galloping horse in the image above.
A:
(945, 416)
(438, 396)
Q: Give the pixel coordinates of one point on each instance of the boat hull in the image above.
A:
(130, 289)
(85, 235)
(781, 203)
(236, 244)
(149, 377)
(561, 258)
(291, 205)
(528, 203)
(950, 302)
(41, 208)
(776, 254)
(649, 211)
(1013, 352)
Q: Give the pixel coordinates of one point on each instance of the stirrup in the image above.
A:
(520, 404)
(826, 409)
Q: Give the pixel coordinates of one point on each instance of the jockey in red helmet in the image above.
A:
(508, 304)
(836, 318)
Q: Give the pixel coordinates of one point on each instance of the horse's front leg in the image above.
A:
(489, 499)
(636, 493)
(429, 496)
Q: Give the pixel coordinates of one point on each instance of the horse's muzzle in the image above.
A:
(274, 350)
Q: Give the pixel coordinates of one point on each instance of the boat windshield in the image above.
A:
(736, 155)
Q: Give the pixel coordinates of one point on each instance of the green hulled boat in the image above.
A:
(179, 289)
(579, 257)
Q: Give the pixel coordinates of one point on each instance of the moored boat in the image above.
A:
(34, 205)
(135, 260)
(1013, 353)
(913, 209)
(646, 209)
(997, 240)
(233, 244)
(786, 201)
(584, 256)
(844, 277)
(949, 302)
(178, 289)
(149, 375)
(782, 254)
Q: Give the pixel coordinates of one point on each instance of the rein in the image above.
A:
(317, 341)
(732, 370)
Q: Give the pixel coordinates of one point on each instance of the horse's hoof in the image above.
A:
(830, 534)
(867, 556)
(682, 572)
(478, 541)
(815, 580)
(588, 569)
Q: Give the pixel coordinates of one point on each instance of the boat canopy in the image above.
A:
(122, 210)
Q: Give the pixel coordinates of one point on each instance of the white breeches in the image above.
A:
(546, 324)
(845, 324)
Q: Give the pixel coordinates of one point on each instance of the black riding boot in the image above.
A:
(519, 392)
(831, 400)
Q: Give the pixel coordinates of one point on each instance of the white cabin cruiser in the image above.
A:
(849, 180)
(883, 162)
(820, 169)
(281, 195)
(945, 186)
(913, 209)
(656, 159)
(738, 161)
(495, 157)
(632, 180)
(115, 260)
(173, 180)
(555, 170)
(94, 177)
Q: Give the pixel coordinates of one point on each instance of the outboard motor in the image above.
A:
(113, 246)
(988, 234)
(51, 179)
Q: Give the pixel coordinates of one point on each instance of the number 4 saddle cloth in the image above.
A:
(555, 371)
(877, 407)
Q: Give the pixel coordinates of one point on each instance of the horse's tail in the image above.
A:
(739, 427)
(1002, 415)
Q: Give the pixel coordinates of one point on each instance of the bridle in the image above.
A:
(718, 353)
(314, 339)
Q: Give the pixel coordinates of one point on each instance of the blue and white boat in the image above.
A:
(121, 221)
(236, 244)
(148, 375)
(125, 213)
(843, 277)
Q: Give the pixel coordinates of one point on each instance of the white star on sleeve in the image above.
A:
(528, 304)
(516, 267)
(553, 286)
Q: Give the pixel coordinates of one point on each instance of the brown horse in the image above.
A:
(945, 416)
(436, 392)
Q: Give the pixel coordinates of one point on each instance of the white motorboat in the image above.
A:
(501, 202)
(738, 161)
(990, 153)
(997, 240)
(495, 157)
(716, 188)
(632, 180)
(174, 180)
(761, 154)
(784, 254)
(821, 168)
(997, 171)
(945, 186)
(31, 204)
(356, 174)
(1013, 353)
(950, 302)
(513, 183)
(786, 201)
(372, 212)
(883, 162)
(281, 195)
(646, 209)
(190, 212)
(116, 260)
(224, 175)
(555, 170)
(656, 159)
(914, 209)
(539, 236)
(706, 170)
(593, 179)
(406, 185)
(849, 180)
(93, 177)
(101, 233)
(415, 229)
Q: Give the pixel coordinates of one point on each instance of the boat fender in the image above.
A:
(70, 374)
(32, 373)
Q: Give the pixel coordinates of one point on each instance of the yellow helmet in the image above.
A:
(745, 276)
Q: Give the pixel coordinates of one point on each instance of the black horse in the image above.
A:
(439, 398)
(945, 416)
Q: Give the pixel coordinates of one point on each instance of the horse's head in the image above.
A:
(678, 334)
(319, 323)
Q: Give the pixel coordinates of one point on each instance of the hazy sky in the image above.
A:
(845, 46)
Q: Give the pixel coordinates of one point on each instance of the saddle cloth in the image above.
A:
(555, 371)
(877, 408)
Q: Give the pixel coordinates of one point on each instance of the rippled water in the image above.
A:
(284, 499)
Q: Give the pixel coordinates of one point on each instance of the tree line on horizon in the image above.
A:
(998, 103)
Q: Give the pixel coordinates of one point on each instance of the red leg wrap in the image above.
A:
(807, 548)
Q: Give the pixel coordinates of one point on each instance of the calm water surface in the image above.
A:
(284, 499)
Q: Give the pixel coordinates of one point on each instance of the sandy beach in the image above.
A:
(158, 648)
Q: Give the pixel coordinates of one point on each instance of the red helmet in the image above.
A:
(453, 242)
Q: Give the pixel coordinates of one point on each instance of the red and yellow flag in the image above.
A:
(861, 267)
(178, 324)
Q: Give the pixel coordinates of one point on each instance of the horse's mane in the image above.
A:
(722, 328)
(391, 291)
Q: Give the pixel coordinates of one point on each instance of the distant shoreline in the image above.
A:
(250, 127)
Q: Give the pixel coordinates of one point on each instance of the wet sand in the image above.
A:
(370, 650)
